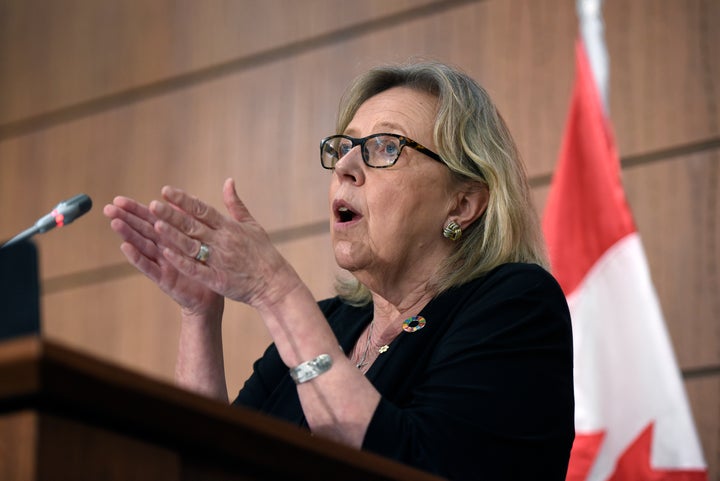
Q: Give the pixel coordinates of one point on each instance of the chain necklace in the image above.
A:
(363, 360)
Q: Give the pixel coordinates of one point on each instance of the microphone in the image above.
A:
(63, 214)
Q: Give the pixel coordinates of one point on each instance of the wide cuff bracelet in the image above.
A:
(311, 369)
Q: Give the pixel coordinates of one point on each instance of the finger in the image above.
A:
(182, 222)
(134, 207)
(148, 267)
(111, 211)
(189, 267)
(234, 205)
(188, 246)
(193, 206)
(128, 234)
(143, 226)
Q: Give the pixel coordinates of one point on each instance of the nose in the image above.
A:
(351, 168)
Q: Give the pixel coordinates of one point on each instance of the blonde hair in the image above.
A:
(475, 143)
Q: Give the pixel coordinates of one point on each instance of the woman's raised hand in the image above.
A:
(242, 264)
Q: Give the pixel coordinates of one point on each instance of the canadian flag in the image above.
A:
(632, 418)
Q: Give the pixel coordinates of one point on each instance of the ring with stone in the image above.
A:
(203, 253)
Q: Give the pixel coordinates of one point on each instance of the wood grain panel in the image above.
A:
(127, 321)
(17, 458)
(676, 206)
(61, 53)
(704, 397)
(522, 50)
(83, 452)
(664, 80)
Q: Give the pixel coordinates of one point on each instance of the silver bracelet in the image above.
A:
(311, 369)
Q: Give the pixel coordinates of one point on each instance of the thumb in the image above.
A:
(233, 204)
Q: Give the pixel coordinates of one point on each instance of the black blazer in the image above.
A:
(484, 391)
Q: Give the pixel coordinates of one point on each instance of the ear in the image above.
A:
(470, 203)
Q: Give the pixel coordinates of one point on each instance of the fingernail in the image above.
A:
(157, 207)
(170, 193)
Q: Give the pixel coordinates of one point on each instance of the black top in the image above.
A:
(484, 391)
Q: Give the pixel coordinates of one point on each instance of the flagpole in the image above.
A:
(592, 31)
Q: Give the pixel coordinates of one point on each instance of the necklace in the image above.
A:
(363, 359)
(411, 324)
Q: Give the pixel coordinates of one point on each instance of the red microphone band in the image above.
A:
(59, 218)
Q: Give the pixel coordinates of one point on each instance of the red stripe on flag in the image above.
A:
(582, 457)
(586, 211)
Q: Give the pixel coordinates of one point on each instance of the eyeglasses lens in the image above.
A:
(377, 150)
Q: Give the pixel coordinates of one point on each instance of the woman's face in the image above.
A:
(386, 224)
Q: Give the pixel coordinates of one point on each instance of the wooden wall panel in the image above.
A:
(704, 397)
(57, 54)
(18, 431)
(665, 72)
(677, 207)
(126, 321)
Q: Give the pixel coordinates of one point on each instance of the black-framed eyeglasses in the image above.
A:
(378, 150)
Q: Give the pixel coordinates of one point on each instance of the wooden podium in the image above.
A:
(65, 415)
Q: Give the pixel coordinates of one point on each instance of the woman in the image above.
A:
(455, 347)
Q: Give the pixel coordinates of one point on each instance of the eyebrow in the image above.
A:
(390, 126)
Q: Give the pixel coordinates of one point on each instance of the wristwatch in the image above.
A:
(311, 369)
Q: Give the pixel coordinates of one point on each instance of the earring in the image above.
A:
(452, 231)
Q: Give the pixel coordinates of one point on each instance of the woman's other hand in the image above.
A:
(143, 247)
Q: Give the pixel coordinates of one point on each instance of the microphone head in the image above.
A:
(74, 207)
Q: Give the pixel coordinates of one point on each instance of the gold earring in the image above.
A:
(452, 230)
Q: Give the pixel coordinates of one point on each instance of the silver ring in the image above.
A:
(203, 253)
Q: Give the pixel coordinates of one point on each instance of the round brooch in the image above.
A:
(412, 324)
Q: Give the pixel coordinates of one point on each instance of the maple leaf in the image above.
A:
(634, 464)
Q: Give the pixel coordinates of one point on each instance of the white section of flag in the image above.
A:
(626, 375)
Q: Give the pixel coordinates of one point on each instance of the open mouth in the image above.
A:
(344, 214)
